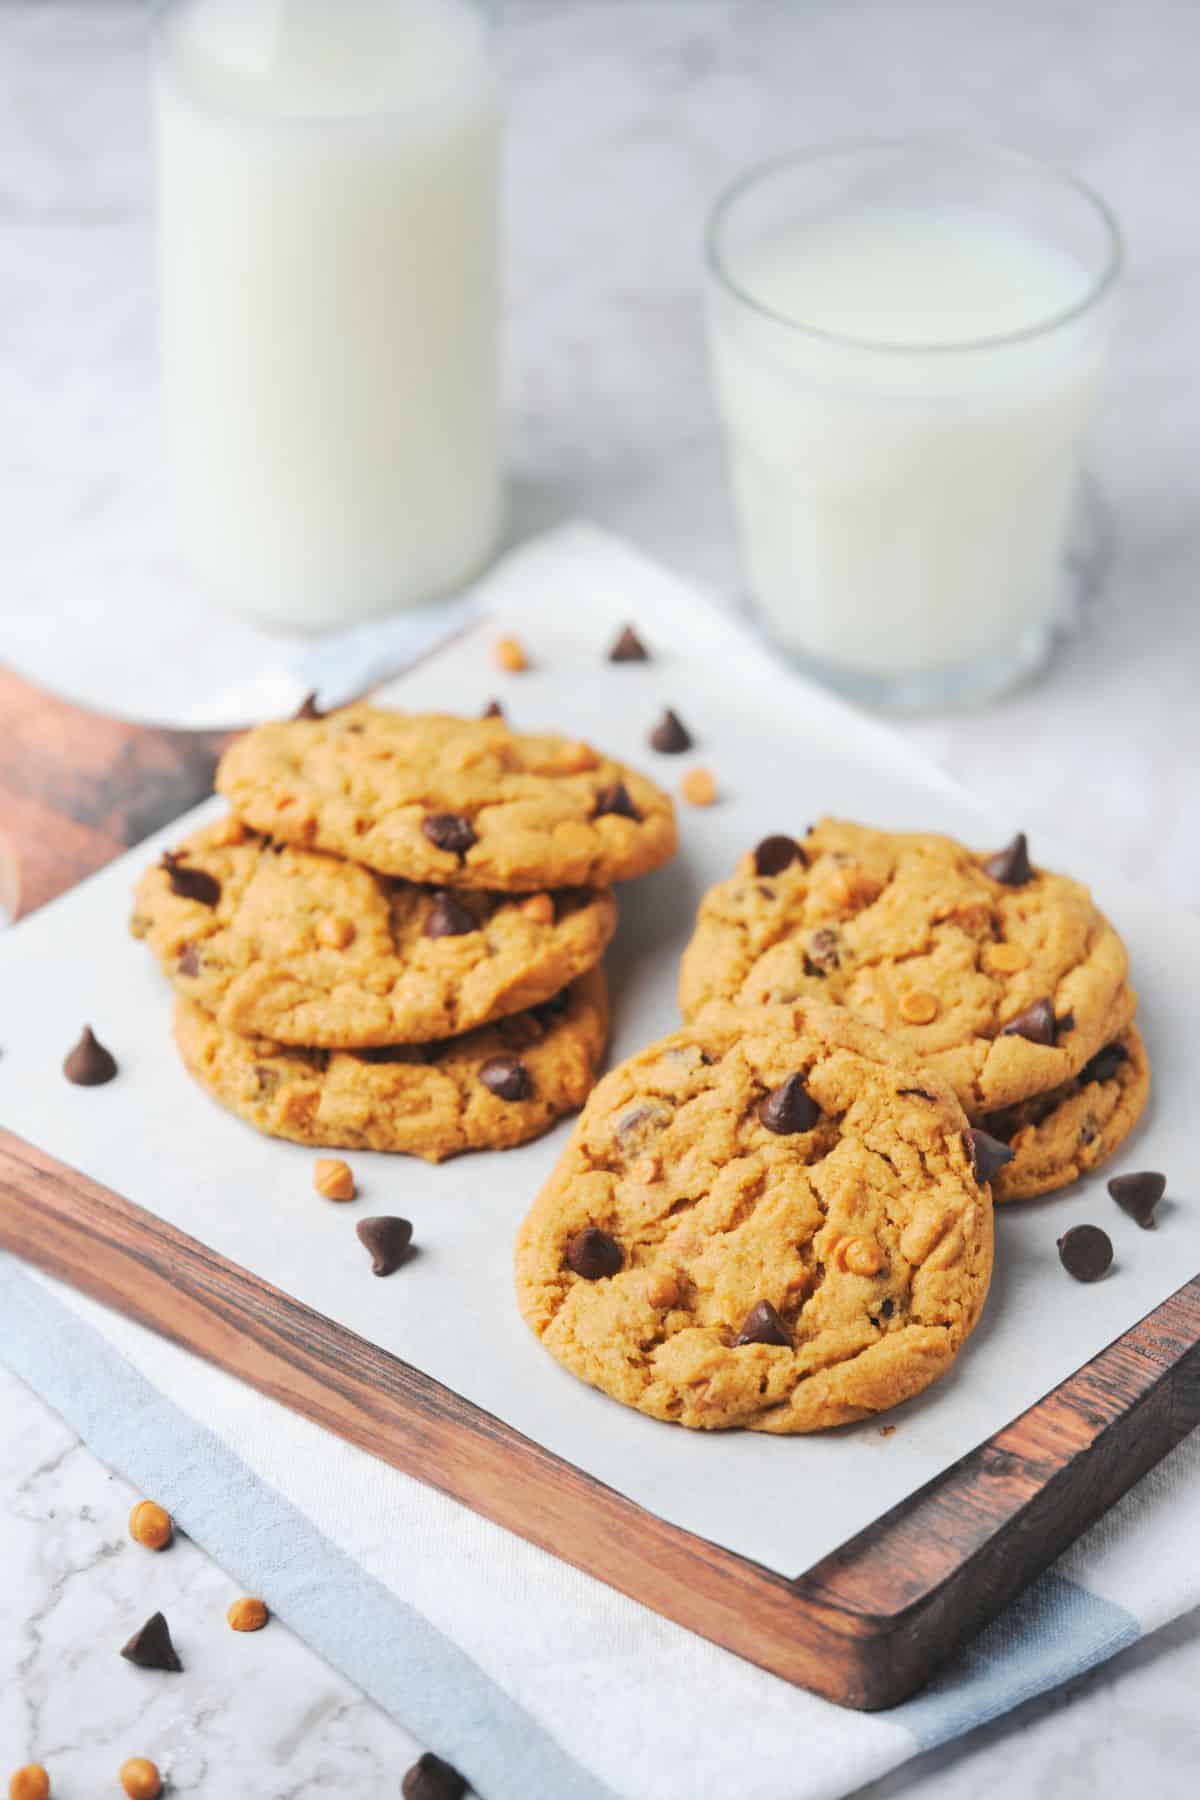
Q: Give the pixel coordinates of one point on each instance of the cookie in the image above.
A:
(1004, 987)
(1060, 1136)
(450, 802)
(768, 1219)
(307, 949)
(489, 1090)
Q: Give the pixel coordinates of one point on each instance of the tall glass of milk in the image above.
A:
(906, 341)
(327, 199)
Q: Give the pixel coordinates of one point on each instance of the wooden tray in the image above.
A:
(866, 1627)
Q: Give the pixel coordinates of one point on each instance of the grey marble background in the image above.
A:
(626, 117)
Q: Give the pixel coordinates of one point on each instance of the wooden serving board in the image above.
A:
(866, 1627)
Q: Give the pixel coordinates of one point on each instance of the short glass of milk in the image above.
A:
(906, 341)
(327, 176)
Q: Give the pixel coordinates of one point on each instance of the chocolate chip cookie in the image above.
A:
(450, 802)
(308, 949)
(769, 1219)
(1001, 976)
(488, 1090)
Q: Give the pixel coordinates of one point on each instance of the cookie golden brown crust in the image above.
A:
(1057, 1137)
(912, 934)
(307, 949)
(851, 1242)
(432, 1101)
(450, 802)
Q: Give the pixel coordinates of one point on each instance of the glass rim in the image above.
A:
(750, 177)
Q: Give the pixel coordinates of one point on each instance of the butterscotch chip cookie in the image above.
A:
(308, 949)
(1004, 986)
(1059, 1136)
(488, 1090)
(456, 802)
(807, 1244)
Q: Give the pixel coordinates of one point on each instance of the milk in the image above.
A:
(903, 460)
(327, 189)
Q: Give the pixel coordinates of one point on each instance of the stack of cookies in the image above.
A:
(393, 941)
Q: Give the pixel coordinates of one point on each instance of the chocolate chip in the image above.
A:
(888, 1308)
(448, 917)
(822, 951)
(89, 1064)
(1011, 865)
(449, 831)
(308, 708)
(1063, 1025)
(189, 961)
(593, 1254)
(1103, 1065)
(629, 648)
(1036, 1023)
(615, 799)
(387, 1239)
(506, 1077)
(493, 710)
(775, 853)
(670, 736)
(1138, 1194)
(762, 1325)
(556, 1004)
(988, 1155)
(151, 1647)
(190, 884)
(789, 1108)
(266, 1079)
(1085, 1252)
(432, 1779)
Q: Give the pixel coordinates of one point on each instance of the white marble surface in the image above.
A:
(626, 118)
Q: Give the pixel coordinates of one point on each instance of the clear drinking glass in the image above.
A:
(906, 341)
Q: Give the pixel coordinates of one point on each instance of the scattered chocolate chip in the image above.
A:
(189, 961)
(822, 952)
(615, 799)
(89, 1064)
(308, 708)
(1138, 1194)
(493, 710)
(506, 1077)
(774, 854)
(629, 648)
(449, 831)
(762, 1325)
(593, 1254)
(789, 1108)
(432, 1779)
(388, 1240)
(1085, 1252)
(448, 917)
(670, 736)
(190, 884)
(987, 1153)
(1103, 1065)
(1036, 1023)
(1011, 865)
(917, 1093)
(151, 1647)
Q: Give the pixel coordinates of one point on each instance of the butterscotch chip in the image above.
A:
(29, 1783)
(1005, 959)
(333, 1178)
(698, 788)
(662, 1291)
(227, 832)
(575, 757)
(646, 1169)
(247, 1614)
(510, 654)
(862, 1256)
(150, 1524)
(336, 932)
(140, 1778)
(539, 908)
(919, 1007)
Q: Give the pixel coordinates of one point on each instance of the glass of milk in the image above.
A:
(327, 219)
(906, 341)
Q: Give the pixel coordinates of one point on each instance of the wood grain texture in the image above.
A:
(866, 1627)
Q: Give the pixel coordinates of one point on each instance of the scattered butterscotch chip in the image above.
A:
(432, 1779)
(333, 1179)
(919, 1007)
(335, 932)
(539, 908)
(89, 1064)
(510, 654)
(577, 756)
(29, 1783)
(150, 1524)
(247, 1614)
(140, 1778)
(1005, 959)
(698, 788)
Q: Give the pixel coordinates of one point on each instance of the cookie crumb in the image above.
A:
(247, 1614)
(698, 787)
(150, 1524)
(886, 1430)
(333, 1179)
(140, 1778)
(509, 653)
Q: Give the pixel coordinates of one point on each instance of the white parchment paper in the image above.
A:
(782, 753)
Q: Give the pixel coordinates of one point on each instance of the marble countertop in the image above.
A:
(626, 117)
